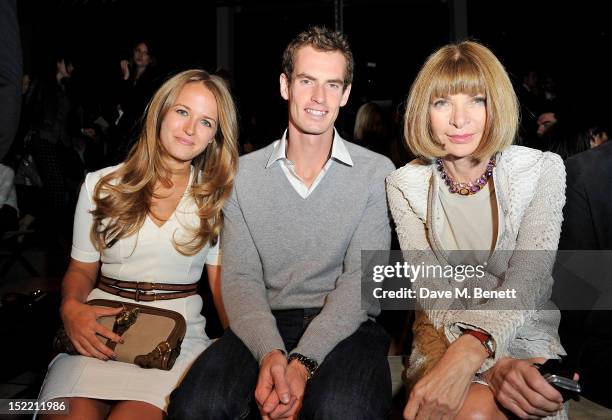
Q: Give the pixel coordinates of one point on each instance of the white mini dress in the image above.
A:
(148, 256)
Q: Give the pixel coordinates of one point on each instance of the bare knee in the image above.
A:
(480, 404)
(79, 408)
(127, 410)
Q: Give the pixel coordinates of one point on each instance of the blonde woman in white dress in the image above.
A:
(155, 218)
(472, 190)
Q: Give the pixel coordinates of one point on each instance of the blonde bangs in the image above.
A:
(457, 76)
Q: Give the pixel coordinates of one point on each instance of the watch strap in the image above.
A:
(311, 365)
(483, 337)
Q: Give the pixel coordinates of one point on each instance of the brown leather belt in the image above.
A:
(146, 292)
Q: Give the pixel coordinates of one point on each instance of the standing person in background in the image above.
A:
(137, 85)
(10, 74)
(501, 205)
(302, 210)
(151, 223)
(55, 123)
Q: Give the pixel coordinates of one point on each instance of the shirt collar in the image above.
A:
(339, 150)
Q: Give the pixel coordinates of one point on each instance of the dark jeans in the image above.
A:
(352, 383)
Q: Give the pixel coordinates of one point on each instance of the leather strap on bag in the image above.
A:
(144, 291)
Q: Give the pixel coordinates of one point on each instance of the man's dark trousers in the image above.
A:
(352, 383)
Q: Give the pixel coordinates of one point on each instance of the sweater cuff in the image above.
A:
(311, 352)
(260, 336)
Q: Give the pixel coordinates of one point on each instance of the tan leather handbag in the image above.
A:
(152, 336)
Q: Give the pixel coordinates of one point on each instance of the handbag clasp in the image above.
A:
(127, 317)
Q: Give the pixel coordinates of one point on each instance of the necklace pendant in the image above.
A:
(464, 191)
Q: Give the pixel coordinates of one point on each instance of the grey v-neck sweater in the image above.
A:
(281, 251)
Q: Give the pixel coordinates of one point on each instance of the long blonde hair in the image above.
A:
(123, 197)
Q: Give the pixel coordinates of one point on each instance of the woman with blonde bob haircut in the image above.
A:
(150, 223)
(468, 68)
(472, 198)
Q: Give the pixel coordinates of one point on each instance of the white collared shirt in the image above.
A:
(339, 152)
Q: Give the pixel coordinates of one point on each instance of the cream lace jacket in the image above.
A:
(530, 188)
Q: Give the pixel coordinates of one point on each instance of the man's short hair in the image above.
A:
(322, 39)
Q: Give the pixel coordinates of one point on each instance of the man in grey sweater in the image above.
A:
(302, 209)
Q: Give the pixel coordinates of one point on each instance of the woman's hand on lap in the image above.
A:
(80, 322)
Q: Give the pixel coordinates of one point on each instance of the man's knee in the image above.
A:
(196, 410)
(340, 405)
(209, 404)
(354, 381)
(184, 404)
(218, 385)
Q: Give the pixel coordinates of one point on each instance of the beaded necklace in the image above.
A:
(465, 188)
